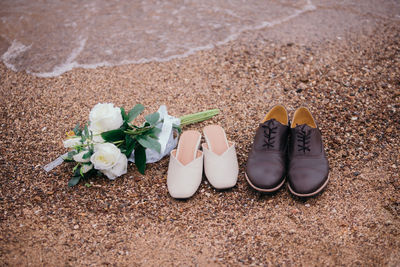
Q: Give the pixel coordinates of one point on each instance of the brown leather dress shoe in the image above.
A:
(308, 165)
(266, 164)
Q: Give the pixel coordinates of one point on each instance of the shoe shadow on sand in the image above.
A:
(268, 195)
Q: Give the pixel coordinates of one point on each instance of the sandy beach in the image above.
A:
(342, 62)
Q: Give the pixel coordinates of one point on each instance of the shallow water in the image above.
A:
(49, 38)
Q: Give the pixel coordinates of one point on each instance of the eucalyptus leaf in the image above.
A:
(123, 114)
(152, 118)
(85, 134)
(86, 131)
(130, 145)
(72, 153)
(154, 132)
(74, 180)
(76, 129)
(149, 142)
(134, 112)
(77, 170)
(113, 135)
(87, 155)
(140, 158)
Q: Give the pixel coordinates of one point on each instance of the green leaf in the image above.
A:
(135, 111)
(77, 170)
(140, 158)
(148, 142)
(76, 129)
(152, 118)
(154, 132)
(178, 128)
(87, 155)
(88, 185)
(76, 167)
(74, 180)
(123, 114)
(72, 153)
(113, 135)
(85, 134)
(130, 145)
(86, 131)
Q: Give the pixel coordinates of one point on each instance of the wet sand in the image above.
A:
(349, 80)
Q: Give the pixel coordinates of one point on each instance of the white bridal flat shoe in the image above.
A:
(185, 166)
(220, 160)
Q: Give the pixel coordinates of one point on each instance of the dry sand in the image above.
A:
(350, 82)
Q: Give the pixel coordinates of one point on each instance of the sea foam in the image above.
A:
(101, 34)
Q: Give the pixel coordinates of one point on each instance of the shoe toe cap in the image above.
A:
(265, 176)
(308, 179)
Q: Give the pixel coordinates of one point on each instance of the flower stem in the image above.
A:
(138, 131)
(198, 117)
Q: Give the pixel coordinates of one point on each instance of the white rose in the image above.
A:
(71, 142)
(105, 117)
(108, 159)
(79, 157)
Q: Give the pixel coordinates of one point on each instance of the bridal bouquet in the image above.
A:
(110, 140)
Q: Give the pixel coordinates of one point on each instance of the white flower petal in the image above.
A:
(105, 157)
(85, 168)
(97, 139)
(71, 142)
(118, 169)
(79, 157)
(105, 117)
